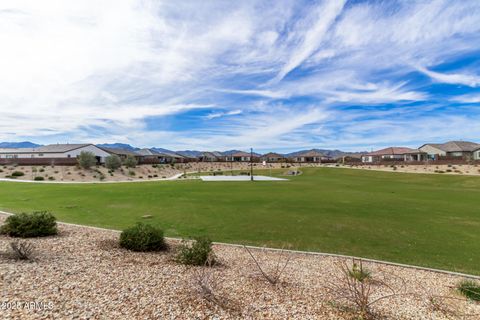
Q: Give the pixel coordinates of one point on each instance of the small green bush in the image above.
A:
(41, 170)
(470, 289)
(359, 273)
(26, 225)
(51, 178)
(113, 162)
(130, 161)
(143, 237)
(39, 178)
(196, 253)
(86, 159)
(17, 174)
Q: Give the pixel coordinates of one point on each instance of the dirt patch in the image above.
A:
(139, 173)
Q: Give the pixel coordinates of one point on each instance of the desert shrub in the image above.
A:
(272, 275)
(131, 173)
(356, 287)
(41, 170)
(359, 273)
(87, 159)
(22, 250)
(26, 225)
(470, 289)
(143, 237)
(113, 162)
(198, 252)
(51, 178)
(39, 178)
(448, 170)
(208, 284)
(1, 170)
(17, 174)
(130, 162)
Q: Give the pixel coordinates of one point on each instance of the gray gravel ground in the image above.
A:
(83, 274)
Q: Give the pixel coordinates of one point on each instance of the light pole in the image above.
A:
(251, 164)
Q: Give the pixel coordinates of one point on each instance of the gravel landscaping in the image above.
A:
(83, 274)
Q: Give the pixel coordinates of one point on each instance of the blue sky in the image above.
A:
(273, 75)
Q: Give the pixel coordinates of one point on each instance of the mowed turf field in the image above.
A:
(420, 219)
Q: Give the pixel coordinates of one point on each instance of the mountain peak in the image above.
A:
(21, 144)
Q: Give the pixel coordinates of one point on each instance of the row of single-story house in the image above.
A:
(68, 153)
(451, 150)
(53, 153)
(310, 156)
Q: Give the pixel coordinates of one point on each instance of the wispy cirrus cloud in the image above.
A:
(452, 78)
(281, 74)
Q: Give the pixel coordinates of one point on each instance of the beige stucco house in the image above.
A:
(394, 154)
(54, 151)
(451, 149)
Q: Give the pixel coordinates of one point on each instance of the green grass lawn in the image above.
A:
(427, 220)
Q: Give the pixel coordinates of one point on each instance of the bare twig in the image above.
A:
(207, 284)
(449, 307)
(274, 276)
(22, 250)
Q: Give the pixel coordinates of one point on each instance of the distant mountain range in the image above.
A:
(187, 153)
(23, 144)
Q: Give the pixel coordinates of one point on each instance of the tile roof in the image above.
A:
(51, 148)
(456, 146)
(240, 154)
(151, 152)
(61, 147)
(393, 151)
(273, 155)
(208, 154)
(310, 153)
(119, 151)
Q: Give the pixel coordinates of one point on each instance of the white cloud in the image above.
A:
(94, 70)
(312, 30)
(452, 78)
(467, 98)
(222, 114)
